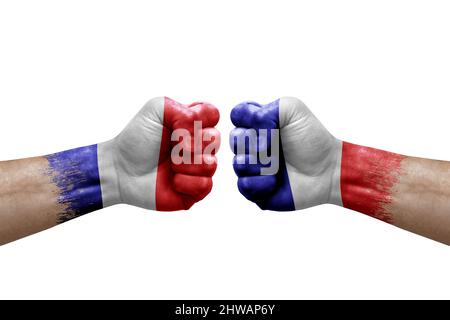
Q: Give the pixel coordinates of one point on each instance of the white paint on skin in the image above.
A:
(128, 164)
(312, 155)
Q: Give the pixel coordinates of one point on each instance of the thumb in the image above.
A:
(291, 110)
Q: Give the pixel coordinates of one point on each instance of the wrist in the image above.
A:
(335, 175)
(368, 177)
(108, 174)
(75, 173)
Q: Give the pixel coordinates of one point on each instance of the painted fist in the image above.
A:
(164, 159)
(285, 158)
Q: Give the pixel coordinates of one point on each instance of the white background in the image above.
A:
(375, 72)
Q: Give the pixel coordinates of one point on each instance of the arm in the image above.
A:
(316, 168)
(135, 168)
(38, 193)
(411, 193)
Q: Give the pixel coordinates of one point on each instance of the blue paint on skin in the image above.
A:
(268, 192)
(76, 174)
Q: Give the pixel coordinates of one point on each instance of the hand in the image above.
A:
(308, 156)
(138, 163)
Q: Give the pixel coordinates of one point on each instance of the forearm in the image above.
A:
(411, 193)
(38, 193)
(135, 168)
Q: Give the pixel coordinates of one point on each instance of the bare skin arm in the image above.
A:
(135, 168)
(28, 198)
(421, 198)
(316, 168)
(39, 193)
(411, 193)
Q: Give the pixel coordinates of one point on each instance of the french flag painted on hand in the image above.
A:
(311, 167)
(272, 192)
(137, 167)
(306, 155)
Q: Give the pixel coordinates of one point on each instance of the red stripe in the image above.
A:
(367, 178)
(166, 198)
(178, 187)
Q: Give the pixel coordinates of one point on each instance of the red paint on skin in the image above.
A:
(178, 187)
(367, 178)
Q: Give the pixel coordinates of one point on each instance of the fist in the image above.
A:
(165, 158)
(285, 159)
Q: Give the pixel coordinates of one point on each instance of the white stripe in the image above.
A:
(312, 155)
(335, 194)
(128, 164)
(108, 174)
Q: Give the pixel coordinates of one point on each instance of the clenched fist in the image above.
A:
(164, 159)
(285, 158)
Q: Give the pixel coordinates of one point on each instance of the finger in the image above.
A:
(243, 141)
(255, 188)
(242, 115)
(248, 141)
(202, 165)
(246, 165)
(254, 115)
(205, 112)
(188, 202)
(207, 141)
(211, 140)
(195, 186)
(179, 116)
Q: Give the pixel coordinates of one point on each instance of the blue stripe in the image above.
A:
(267, 193)
(282, 199)
(75, 172)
